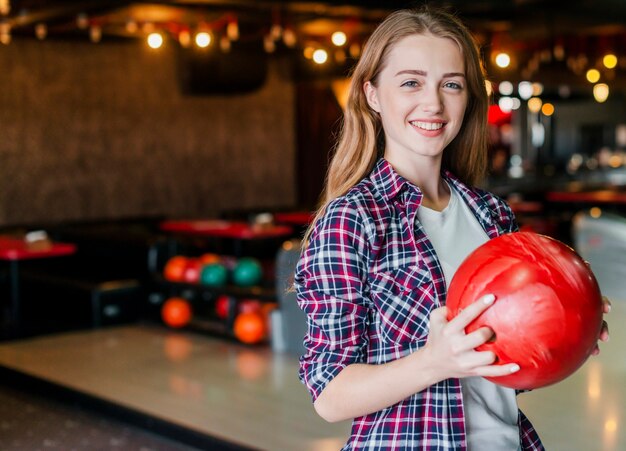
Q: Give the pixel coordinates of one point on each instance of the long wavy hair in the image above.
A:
(361, 141)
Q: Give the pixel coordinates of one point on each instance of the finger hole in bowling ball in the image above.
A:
(492, 339)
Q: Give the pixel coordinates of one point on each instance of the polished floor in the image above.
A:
(251, 397)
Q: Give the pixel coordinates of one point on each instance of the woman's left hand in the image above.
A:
(604, 333)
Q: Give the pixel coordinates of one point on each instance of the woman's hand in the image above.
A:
(453, 351)
(604, 333)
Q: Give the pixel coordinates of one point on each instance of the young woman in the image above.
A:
(398, 216)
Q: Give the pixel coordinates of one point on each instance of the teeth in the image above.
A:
(428, 125)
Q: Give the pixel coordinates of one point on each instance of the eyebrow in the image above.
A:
(423, 73)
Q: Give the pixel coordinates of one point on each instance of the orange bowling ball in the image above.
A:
(547, 315)
(250, 327)
(176, 312)
(175, 268)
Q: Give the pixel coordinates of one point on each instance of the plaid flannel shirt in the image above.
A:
(368, 280)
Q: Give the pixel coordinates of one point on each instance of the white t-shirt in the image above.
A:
(490, 410)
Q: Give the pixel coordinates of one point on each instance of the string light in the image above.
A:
(225, 44)
(269, 44)
(289, 38)
(320, 56)
(131, 26)
(547, 109)
(203, 39)
(534, 104)
(41, 31)
(184, 38)
(232, 30)
(505, 88)
(601, 92)
(155, 40)
(339, 38)
(503, 60)
(593, 75)
(525, 90)
(95, 34)
(5, 32)
(609, 61)
(82, 21)
(5, 7)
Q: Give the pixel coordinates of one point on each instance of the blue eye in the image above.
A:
(453, 85)
(410, 84)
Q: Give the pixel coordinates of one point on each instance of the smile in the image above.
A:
(428, 125)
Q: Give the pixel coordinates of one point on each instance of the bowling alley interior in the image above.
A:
(162, 160)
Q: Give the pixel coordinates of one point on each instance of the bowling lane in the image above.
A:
(252, 397)
(587, 411)
(247, 396)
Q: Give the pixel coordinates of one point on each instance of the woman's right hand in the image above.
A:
(452, 352)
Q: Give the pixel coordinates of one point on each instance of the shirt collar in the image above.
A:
(387, 181)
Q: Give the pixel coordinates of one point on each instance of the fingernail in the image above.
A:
(488, 299)
(514, 368)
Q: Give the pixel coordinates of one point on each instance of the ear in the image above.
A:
(371, 94)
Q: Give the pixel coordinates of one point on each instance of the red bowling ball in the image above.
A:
(547, 316)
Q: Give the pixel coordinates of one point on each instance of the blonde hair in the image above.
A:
(361, 140)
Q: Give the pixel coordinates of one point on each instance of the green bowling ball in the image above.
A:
(247, 272)
(214, 275)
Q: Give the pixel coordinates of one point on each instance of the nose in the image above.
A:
(432, 101)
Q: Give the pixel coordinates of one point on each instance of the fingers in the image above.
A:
(604, 332)
(478, 337)
(498, 370)
(471, 312)
(606, 305)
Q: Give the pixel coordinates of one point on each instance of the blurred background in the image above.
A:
(160, 160)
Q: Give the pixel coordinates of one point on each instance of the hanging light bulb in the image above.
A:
(82, 21)
(601, 92)
(95, 33)
(184, 38)
(5, 32)
(320, 56)
(131, 26)
(547, 109)
(355, 50)
(41, 31)
(155, 40)
(269, 44)
(232, 30)
(609, 61)
(534, 104)
(225, 44)
(339, 38)
(289, 38)
(276, 31)
(5, 7)
(203, 39)
(505, 88)
(593, 75)
(525, 90)
(503, 60)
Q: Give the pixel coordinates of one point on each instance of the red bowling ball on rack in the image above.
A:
(547, 316)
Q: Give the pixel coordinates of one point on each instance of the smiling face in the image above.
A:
(421, 96)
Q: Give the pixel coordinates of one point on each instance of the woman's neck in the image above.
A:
(426, 175)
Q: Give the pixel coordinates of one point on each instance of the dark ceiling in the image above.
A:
(554, 35)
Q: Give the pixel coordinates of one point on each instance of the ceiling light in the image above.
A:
(339, 38)
(503, 60)
(593, 75)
